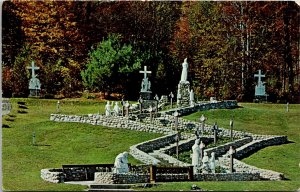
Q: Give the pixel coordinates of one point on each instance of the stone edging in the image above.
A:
(52, 175)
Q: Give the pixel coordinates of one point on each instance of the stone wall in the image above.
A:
(239, 166)
(111, 121)
(140, 150)
(129, 178)
(125, 178)
(255, 145)
(204, 106)
(227, 177)
(157, 143)
(52, 175)
(222, 149)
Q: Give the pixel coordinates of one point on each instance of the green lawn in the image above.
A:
(57, 143)
(260, 119)
(75, 143)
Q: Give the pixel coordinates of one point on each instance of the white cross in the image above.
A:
(145, 72)
(259, 75)
(32, 69)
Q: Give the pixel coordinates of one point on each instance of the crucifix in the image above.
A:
(145, 72)
(259, 75)
(33, 68)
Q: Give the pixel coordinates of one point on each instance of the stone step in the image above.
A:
(111, 186)
(109, 190)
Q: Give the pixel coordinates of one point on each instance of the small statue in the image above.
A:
(184, 70)
(205, 163)
(121, 163)
(196, 155)
(107, 109)
(212, 163)
(192, 98)
(117, 109)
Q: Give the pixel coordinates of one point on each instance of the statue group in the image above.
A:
(116, 110)
(203, 164)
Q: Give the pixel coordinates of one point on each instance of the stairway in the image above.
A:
(110, 187)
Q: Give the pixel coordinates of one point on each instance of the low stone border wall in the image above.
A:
(142, 156)
(222, 149)
(259, 144)
(240, 166)
(52, 175)
(157, 143)
(139, 151)
(204, 106)
(113, 178)
(129, 178)
(111, 121)
(227, 177)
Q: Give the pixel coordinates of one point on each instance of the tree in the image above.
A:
(20, 74)
(108, 65)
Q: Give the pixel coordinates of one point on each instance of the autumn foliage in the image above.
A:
(225, 43)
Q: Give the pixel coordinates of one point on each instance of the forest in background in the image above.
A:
(101, 46)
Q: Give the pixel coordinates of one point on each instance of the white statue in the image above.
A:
(205, 163)
(107, 109)
(184, 70)
(196, 155)
(192, 97)
(212, 163)
(121, 163)
(117, 109)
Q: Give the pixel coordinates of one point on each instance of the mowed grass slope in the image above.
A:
(261, 119)
(57, 143)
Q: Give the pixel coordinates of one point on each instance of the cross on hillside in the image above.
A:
(32, 69)
(145, 72)
(259, 75)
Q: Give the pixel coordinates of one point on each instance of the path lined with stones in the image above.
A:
(150, 152)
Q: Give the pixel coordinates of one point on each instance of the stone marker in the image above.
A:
(58, 107)
(127, 105)
(150, 111)
(33, 138)
(140, 100)
(231, 152)
(215, 129)
(6, 106)
(231, 128)
(202, 121)
(260, 89)
(34, 83)
(145, 85)
(171, 96)
(212, 163)
(287, 107)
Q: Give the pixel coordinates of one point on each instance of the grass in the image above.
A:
(68, 143)
(57, 143)
(261, 119)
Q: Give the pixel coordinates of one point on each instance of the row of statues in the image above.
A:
(200, 159)
(116, 110)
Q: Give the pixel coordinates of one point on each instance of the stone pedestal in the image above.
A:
(147, 103)
(145, 95)
(183, 93)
